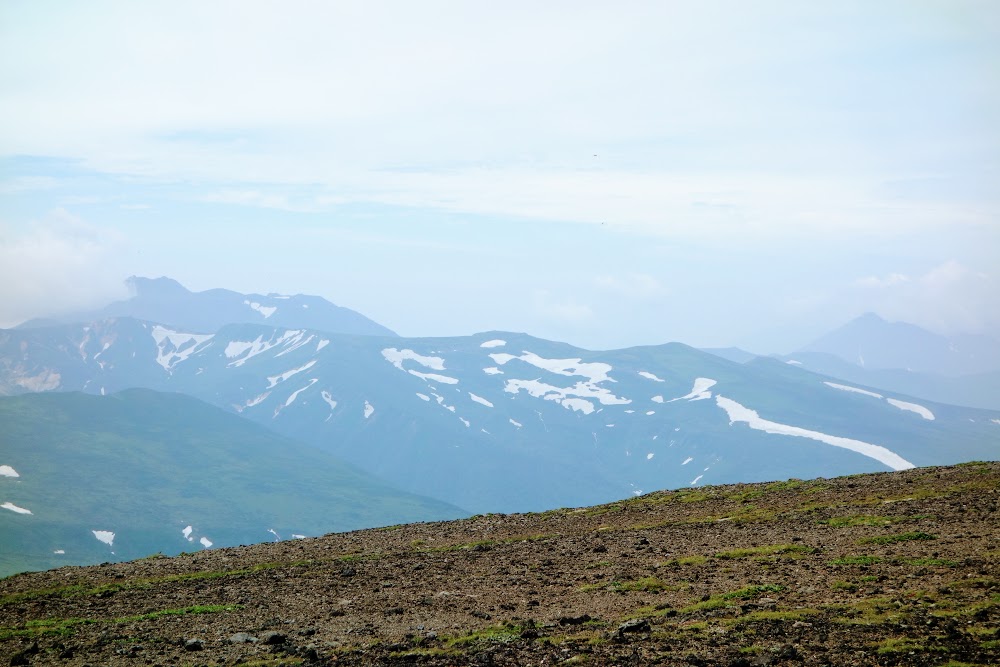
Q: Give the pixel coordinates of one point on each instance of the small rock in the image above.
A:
(632, 626)
(194, 645)
(272, 638)
(348, 571)
(600, 549)
(573, 620)
(242, 638)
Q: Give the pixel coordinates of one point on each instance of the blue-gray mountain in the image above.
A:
(86, 479)
(167, 301)
(873, 343)
(505, 422)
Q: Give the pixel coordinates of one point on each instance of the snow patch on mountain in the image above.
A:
(464, 421)
(369, 410)
(205, 542)
(186, 532)
(480, 400)
(174, 347)
(493, 370)
(650, 376)
(328, 397)
(595, 371)
(518, 424)
(256, 400)
(397, 357)
(699, 391)
(844, 387)
(493, 343)
(243, 351)
(657, 399)
(295, 394)
(912, 407)
(14, 508)
(106, 536)
(423, 397)
(266, 311)
(739, 413)
(321, 344)
(687, 461)
(275, 379)
(8, 471)
(434, 377)
(695, 480)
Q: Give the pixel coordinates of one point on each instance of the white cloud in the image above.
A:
(632, 285)
(948, 298)
(563, 309)
(59, 264)
(888, 281)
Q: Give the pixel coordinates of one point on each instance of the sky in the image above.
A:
(606, 174)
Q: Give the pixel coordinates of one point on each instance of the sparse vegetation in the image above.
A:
(674, 577)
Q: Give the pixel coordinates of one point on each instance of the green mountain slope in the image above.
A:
(146, 465)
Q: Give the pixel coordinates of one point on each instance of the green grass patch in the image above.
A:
(844, 586)
(907, 645)
(723, 600)
(913, 536)
(860, 520)
(66, 626)
(508, 632)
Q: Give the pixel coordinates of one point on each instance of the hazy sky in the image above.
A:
(607, 174)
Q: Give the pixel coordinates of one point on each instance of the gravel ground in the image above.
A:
(887, 569)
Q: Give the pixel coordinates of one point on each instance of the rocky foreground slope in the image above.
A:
(884, 569)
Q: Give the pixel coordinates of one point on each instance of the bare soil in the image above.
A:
(886, 569)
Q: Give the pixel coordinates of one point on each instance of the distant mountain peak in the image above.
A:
(165, 301)
(142, 286)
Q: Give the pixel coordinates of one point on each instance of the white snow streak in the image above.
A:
(14, 508)
(912, 407)
(493, 370)
(433, 377)
(295, 394)
(423, 397)
(687, 461)
(369, 410)
(518, 424)
(572, 398)
(480, 399)
(699, 392)
(105, 536)
(844, 387)
(657, 399)
(7, 471)
(464, 421)
(396, 358)
(186, 532)
(266, 311)
(328, 397)
(650, 376)
(695, 480)
(650, 455)
(205, 542)
(739, 413)
(493, 343)
(321, 344)
(275, 379)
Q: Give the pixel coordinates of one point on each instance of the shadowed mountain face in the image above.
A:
(508, 422)
(887, 569)
(168, 302)
(86, 479)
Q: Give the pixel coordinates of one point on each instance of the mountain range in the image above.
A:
(167, 301)
(501, 421)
